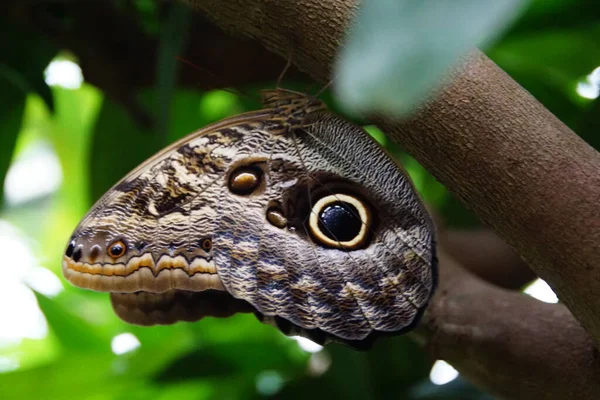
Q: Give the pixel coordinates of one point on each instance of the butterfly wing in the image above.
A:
(318, 230)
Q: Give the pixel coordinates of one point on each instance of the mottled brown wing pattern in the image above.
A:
(289, 212)
(347, 293)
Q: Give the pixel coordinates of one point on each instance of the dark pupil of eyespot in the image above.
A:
(340, 221)
(116, 249)
(77, 255)
(70, 249)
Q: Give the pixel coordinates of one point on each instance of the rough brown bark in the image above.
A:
(509, 159)
(488, 257)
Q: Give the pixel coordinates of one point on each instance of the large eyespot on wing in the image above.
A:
(401, 254)
(341, 221)
(357, 260)
(153, 230)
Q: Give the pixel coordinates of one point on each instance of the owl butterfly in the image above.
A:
(288, 212)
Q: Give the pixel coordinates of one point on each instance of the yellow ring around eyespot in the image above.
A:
(363, 212)
(117, 243)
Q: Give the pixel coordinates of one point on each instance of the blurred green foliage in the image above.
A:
(96, 140)
(397, 51)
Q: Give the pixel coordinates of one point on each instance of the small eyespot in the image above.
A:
(117, 249)
(140, 246)
(245, 180)
(94, 253)
(276, 217)
(206, 244)
(340, 221)
(77, 254)
(70, 249)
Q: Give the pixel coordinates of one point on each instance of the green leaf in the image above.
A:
(187, 367)
(26, 68)
(172, 41)
(395, 364)
(12, 107)
(399, 50)
(556, 15)
(589, 125)
(458, 389)
(119, 144)
(69, 377)
(348, 377)
(223, 360)
(73, 333)
(562, 57)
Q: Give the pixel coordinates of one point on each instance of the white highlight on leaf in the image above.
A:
(34, 174)
(590, 89)
(442, 373)
(399, 50)
(541, 291)
(8, 364)
(43, 281)
(124, 343)
(63, 73)
(318, 363)
(307, 345)
(20, 315)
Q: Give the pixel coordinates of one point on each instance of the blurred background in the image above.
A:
(88, 90)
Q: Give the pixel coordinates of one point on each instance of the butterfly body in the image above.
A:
(289, 212)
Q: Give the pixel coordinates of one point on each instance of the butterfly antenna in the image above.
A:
(285, 69)
(320, 92)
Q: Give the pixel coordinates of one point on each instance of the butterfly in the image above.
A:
(289, 212)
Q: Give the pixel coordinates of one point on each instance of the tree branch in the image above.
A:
(507, 158)
(512, 344)
(487, 256)
(483, 253)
